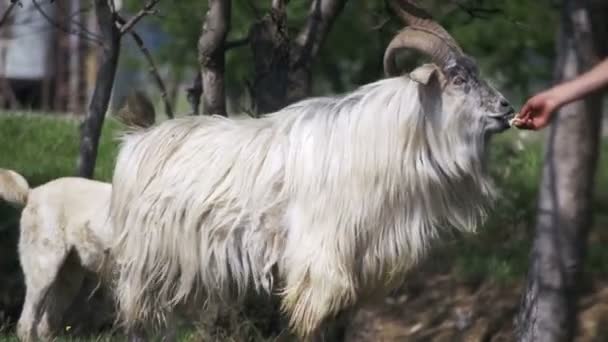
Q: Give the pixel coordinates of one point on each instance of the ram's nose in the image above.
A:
(505, 108)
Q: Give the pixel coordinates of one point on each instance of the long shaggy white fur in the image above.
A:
(341, 195)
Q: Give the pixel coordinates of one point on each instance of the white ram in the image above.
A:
(327, 203)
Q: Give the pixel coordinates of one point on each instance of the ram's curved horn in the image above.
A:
(420, 40)
(423, 34)
(417, 17)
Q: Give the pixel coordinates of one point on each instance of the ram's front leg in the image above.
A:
(318, 270)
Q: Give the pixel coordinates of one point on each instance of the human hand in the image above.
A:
(537, 111)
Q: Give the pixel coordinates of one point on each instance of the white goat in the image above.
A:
(64, 233)
(328, 202)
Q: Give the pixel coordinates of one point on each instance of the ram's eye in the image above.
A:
(458, 80)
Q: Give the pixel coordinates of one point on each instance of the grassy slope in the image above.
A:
(42, 148)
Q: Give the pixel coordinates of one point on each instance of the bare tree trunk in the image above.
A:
(212, 56)
(75, 60)
(194, 92)
(321, 17)
(283, 68)
(91, 128)
(269, 41)
(7, 96)
(548, 308)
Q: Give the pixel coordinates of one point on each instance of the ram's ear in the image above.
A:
(425, 74)
(429, 87)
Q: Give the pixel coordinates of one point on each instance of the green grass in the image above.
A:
(189, 335)
(43, 147)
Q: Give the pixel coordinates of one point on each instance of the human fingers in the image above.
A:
(530, 108)
(541, 121)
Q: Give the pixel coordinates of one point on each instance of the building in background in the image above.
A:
(42, 65)
(45, 66)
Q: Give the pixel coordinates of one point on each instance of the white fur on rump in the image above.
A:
(342, 194)
(14, 189)
(64, 216)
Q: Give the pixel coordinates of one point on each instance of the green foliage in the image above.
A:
(500, 250)
(516, 46)
(513, 46)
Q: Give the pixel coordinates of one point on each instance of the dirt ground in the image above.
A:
(442, 309)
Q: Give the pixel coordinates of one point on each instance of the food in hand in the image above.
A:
(516, 122)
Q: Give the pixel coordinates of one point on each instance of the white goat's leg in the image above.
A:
(34, 299)
(42, 252)
(318, 285)
(38, 281)
(61, 296)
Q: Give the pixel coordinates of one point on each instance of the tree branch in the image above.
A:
(152, 66)
(83, 32)
(478, 12)
(318, 24)
(9, 10)
(307, 44)
(148, 9)
(279, 5)
(236, 43)
(283, 67)
(212, 56)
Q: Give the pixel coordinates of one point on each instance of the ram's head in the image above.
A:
(453, 81)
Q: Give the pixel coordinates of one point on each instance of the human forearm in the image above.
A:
(537, 112)
(588, 82)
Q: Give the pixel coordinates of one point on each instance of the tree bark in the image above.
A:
(91, 128)
(269, 41)
(322, 15)
(283, 68)
(212, 56)
(548, 308)
(194, 92)
(75, 84)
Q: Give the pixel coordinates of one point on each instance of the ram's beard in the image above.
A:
(207, 205)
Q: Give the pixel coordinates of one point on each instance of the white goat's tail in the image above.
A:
(14, 189)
